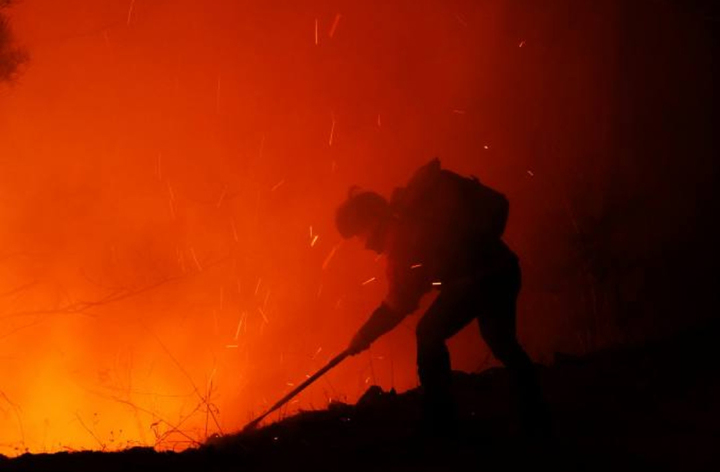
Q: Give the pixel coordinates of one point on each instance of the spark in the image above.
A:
(289, 384)
(437, 284)
(217, 96)
(171, 200)
(334, 25)
(459, 112)
(367, 380)
(522, 43)
(530, 173)
(277, 185)
(241, 322)
(264, 316)
(486, 147)
(314, 240)
(332, 131)
(197, 263)
(330, 256)
(317, 352)
(232, 346)
(379, 123)
(415, 266)
(235, 237)
(267, 296)
(372, 279)
(130, 12)
(222, 196)
(262, 146)
(257, 287)
(181, 259)
(316, 32)
(158, 166)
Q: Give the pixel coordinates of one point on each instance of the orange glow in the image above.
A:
(161, 164)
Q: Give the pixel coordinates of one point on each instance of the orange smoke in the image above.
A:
(170, 170)
(169, 262)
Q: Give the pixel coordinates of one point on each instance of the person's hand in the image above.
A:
(358, 344)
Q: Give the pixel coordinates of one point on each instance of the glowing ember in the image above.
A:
(334, 26)
(130, 12)
(277, 185)
(370, 280)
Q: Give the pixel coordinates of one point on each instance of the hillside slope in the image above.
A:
(646, 408)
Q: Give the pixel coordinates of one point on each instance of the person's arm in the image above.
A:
(382, 320)
(407, 283)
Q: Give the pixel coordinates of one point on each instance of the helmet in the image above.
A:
(360, 212)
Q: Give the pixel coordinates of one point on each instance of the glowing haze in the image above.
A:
(169, 174)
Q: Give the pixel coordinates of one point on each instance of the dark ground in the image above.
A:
(647, 408)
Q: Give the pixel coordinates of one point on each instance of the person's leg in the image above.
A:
(450, 312)
(498, 329)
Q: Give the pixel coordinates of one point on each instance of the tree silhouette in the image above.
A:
(10, 55)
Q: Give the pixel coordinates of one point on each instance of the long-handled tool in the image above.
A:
(335, 361)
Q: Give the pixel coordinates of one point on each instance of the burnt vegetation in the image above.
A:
(649, 408)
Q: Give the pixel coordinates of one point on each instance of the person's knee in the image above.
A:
(427, 337)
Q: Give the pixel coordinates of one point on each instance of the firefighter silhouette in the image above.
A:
(444, 231)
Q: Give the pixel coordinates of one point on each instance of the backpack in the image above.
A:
(461, 207)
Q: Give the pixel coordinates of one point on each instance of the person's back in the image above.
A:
(450, 224)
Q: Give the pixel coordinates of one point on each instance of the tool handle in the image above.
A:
(335, 361)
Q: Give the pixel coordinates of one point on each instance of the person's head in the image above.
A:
(364, 215)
